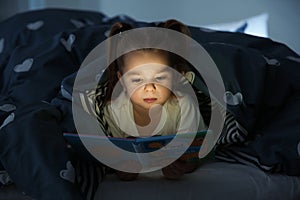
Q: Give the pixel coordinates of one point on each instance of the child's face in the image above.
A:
(147, 78)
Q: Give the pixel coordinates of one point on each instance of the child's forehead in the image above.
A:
(141, 57)
(149, 68)
(148, 53)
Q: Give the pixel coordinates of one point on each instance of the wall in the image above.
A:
(284, 15)
(9, 8)
(77, 4)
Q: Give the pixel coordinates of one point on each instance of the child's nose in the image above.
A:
(149, 87)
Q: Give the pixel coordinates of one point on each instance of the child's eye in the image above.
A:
(160, 78)
(136, 80)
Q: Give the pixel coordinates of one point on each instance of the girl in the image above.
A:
(145, 103)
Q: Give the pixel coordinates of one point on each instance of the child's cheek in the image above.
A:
(134, 90)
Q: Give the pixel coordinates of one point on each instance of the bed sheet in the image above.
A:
(213, 181)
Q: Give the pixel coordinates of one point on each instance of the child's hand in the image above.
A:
(174, 170)
(179, 168)
(191, 162)
(129, 176)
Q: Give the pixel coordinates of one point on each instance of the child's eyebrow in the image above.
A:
(164, 70)
(130, 73)
(133, 72)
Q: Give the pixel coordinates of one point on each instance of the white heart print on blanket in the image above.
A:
(233, 99)
(25, 66)
(7, 107)
(68, 173)
(293, 58)
(68, 44)
(80, 23)
(35, 25)
(8, 120)
(77, 23)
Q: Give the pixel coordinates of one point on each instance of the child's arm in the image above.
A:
(174, 170)
(178, 168)
(187, 163)
(189, 119)
(129, 176)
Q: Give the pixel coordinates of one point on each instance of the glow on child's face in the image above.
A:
(147, 78)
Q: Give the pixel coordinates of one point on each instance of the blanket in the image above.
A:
(40, 53)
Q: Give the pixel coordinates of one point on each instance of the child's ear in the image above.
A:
(120, 79)
(119, 27)
(119, 74)
(176, 26)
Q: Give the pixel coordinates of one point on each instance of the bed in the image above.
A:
(41, 51)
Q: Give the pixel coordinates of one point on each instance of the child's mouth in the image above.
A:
(150, 100)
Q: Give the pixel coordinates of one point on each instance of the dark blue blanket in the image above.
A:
(39, 49)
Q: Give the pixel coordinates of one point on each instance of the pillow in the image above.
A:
(256, 25)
